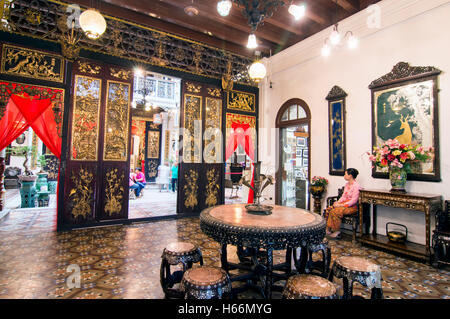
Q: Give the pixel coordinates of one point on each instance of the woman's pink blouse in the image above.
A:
(351, 194)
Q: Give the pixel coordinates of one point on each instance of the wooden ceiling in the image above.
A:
(231, 33)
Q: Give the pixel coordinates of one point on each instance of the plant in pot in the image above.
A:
(28, 191)
(317, 187)
(42, 182)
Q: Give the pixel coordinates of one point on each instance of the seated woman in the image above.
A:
(346, 205)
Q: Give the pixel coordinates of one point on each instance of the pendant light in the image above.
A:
(252, 44)
(92, 23)
(257, 71)
(224, 7)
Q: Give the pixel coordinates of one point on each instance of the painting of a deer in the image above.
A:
(406, 136)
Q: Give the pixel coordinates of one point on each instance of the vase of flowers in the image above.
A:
(398, 158)
(317, 188)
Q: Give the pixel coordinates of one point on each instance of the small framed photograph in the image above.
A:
(301, 141)
(305, 153)
(299, 152)
(305, 162)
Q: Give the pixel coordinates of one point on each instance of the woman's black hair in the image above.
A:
(352, 171)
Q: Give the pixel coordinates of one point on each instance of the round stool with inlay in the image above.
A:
(205, 283)
(358, 269)
(309, 287)
(174, 254)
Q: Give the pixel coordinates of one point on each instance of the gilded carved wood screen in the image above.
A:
(153, 154)
(97, 167)
(201, 169)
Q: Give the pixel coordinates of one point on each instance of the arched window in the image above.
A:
(294, 121)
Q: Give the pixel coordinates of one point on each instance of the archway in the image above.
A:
(294, 123)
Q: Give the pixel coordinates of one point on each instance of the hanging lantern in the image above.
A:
(92, 23)
(257, 71)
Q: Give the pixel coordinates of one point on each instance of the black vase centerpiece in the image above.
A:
(261, 181)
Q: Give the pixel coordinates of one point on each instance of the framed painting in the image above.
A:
(299, 152)
(405, 108)
(301, 141)
(337, 158)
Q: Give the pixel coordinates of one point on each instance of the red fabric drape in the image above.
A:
(12, 124)
(241, 135)
(24, 111)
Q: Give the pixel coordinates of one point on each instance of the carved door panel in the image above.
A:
(99, 137)
(201, 169)
(82, 167)
(153, 150)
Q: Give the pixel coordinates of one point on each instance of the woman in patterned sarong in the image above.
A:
(346, 205)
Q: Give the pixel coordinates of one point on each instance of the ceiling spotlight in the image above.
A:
(224, 7)
(252, 42)
(191, 11)
(297, 11)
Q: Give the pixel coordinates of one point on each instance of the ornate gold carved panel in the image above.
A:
(191, 189)
(86, 67)
(192, 88)
(215, 92)
(114, 192)
(166, 145)
(241, 101)
(213, 122)
(243, 119)
(192, 119)
(153, 144)
(120, 74)
(117, 121)
(212, 187)
(87, 97)
(32, 64)
(81, 195)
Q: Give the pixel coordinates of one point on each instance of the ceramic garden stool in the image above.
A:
(205, 283)
(358, 269)
(175, 254)
(309, 287)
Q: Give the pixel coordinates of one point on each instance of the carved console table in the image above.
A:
(425, 203)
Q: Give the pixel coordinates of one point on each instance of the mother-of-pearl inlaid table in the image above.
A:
(286, 228)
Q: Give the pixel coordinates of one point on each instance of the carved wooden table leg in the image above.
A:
(268, 290)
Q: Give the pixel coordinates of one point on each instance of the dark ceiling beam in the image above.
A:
(349, 5)
(148, 21)
(235, 21)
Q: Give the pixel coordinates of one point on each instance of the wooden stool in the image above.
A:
(205, 283)
(309, 287)
(174, 254)
(305, 264)
(358, 269)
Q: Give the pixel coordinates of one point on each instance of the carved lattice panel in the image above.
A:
(192, 123)
(114, 193)
(117, 122)
(213, 130)
(85, 119)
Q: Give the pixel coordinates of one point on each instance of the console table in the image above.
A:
(425, 203)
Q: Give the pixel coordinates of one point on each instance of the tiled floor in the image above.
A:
(153, 203)
(124, 261)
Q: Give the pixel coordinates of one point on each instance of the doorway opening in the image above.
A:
(155, 117)
(293, 176)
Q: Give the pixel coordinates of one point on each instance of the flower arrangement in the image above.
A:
(319, 181)
(392, 154)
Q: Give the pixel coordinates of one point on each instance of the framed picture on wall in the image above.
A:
(299, 152)
(301, 141)
(305, 153)
(405, 108)
(336, 131)
(305, 162)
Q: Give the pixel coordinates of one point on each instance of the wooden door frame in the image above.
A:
(284, 124)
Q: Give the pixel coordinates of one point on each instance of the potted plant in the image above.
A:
(42, 182)
(27, 179)
(318, 185)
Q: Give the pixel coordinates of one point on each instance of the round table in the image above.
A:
(285, 228)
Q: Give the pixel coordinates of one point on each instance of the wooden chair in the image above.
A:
(352, 220)
(441, 237)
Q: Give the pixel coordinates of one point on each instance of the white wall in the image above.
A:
(413, 31)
